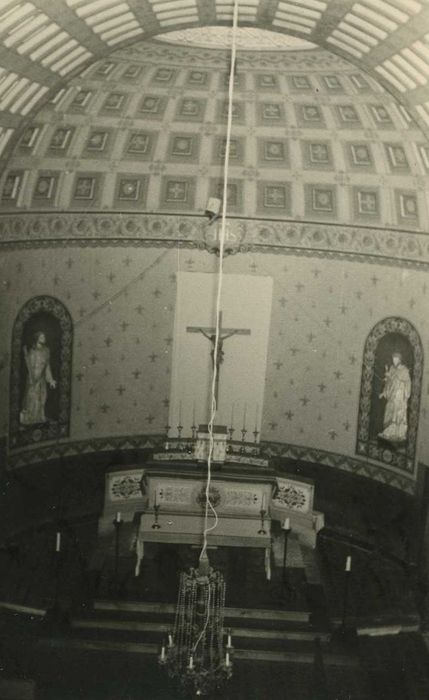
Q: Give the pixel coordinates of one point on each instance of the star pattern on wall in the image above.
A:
(123, 343)
(316, 368)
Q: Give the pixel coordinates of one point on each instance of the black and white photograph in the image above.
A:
(214, 341)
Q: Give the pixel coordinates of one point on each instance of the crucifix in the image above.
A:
(210, 334)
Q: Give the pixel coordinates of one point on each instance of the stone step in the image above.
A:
(156, 633)
(240, 654)
(168, 609)
(162, 628)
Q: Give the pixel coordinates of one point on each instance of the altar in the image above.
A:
(164, 502)
(175, 514)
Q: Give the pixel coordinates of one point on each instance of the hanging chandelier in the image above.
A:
(195, 657)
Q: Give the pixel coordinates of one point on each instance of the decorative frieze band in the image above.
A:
(154, 443)
(377, 245)
(343, 462)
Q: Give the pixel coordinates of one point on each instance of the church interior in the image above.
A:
(214, 462)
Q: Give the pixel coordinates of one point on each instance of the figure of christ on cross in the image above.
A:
(210, 334)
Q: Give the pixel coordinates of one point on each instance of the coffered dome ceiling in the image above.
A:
(45, 42)
(314, 138)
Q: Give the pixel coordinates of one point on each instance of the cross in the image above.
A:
(210, 334)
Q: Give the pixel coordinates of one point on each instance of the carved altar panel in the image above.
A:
(228, 497)
(125, 486)
(294, 495)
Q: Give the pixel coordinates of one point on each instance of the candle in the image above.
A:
(58, 542)
(163, 653)
(180, 413)
(227, 663)
(193, 413)
(229, 641)
(256, 417)
(191, 662)
(170, 640)
(118, 517)
(244, 416)
(263, 504)
(348, 563)
(286, 524)
(154, 498)
(232, 416)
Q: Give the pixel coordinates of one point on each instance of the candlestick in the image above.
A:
(262, 530)
(156, 507)
(347, 573)
(58, 542)
(286, 536)
(117, 524)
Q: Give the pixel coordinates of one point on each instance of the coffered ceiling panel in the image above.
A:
(45, 42)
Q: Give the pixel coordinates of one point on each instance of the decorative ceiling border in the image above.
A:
(375, 245)
(343, 462)
(157, 50)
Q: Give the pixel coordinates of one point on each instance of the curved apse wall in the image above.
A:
(327, 196)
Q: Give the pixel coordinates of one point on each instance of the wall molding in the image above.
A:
(359, 467)
(334, 241)
(73, 448)
(22, 458)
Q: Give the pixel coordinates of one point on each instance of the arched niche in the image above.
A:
(40, 382)
(390, 336)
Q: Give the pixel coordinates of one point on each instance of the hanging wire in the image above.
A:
(208, 504)
(213, 410)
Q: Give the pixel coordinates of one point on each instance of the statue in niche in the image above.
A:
(39, 377)
(396, 391)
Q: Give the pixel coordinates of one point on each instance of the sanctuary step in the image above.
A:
(259, 634)
(81, 660)
(244, 571)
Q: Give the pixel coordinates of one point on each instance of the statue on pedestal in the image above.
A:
(396, 391)
(39, 377)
